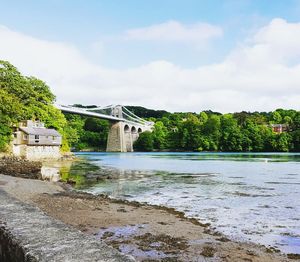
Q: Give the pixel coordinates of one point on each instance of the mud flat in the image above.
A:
(148, 233)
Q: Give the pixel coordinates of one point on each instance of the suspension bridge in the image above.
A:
(125, 126)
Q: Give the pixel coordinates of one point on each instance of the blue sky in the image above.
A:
(83, 23)
(122, 35)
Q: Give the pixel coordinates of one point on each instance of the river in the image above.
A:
(247, 196)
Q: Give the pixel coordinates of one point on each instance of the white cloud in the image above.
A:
(277, 42)
(262, 73)
(281, 37)
(173, 31)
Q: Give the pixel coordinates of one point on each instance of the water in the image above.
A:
(249, 197)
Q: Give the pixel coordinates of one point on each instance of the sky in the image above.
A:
(176, 55)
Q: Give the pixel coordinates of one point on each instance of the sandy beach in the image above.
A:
(149, 233)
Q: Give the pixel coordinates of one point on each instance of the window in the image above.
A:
(36, 137)
(53, 138)
(25, 137)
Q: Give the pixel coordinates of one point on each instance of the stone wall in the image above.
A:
(42, 152)
(37, 152)
(10, 250)
(19, 150)
(28, 235)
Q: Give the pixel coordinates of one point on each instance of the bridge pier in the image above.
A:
(116, 138)
(122, 135)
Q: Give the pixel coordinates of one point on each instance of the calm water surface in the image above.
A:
(252, 197)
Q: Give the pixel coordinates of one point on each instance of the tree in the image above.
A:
(276, 117)
(287, 120)
(203, 117)
(231, 136)
(296, 141)
(93, 124)
(296, 121)
(189, 131)
(252, 136)
(159, 135)
(281, 142)
(144, 142)
(211, 130)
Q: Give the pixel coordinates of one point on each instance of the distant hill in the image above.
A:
(145, 112)
(137, 110)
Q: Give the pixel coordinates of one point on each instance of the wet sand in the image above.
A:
(149, 233)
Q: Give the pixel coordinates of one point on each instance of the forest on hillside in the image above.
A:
(23, 97)
(204, 131)
(212, 131)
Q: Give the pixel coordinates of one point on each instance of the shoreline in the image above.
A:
(141, 230)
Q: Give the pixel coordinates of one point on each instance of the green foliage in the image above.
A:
(159, 135)
(276, 117)
(87, 132)
(211, 131)
(231, 138)
(144, 142)
(296, 141)
(189, 130)
(203, 117)
(252, 136)
(5, 133)
(281, 142)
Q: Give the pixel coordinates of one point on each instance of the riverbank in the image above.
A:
(149, 233)
(28, 234)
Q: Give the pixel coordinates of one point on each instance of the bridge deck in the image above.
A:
(78, 111)
(84, 112)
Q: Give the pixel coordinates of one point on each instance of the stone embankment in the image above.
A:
(27, 234)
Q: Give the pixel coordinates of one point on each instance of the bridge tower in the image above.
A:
(117, 111)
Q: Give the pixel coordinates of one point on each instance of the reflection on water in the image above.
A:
(246, 196)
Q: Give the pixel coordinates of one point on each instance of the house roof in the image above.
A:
(39, 131)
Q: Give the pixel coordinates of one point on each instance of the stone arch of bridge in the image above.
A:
(133, 129)
(126, 128)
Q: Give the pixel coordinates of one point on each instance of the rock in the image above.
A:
(208, 251)
(18, 167)
(293, 256)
